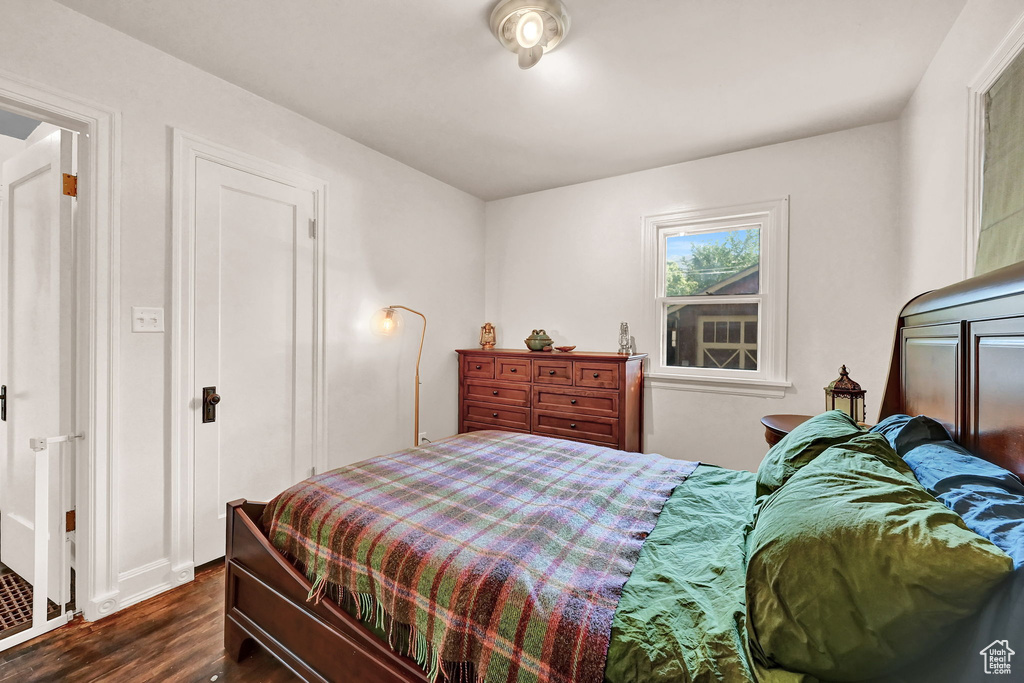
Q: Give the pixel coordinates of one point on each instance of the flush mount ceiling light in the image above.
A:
(529, 27)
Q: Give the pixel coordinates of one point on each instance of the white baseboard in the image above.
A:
(142, 583)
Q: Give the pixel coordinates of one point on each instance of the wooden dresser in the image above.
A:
(591, 397)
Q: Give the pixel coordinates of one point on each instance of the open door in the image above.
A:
(37, 418)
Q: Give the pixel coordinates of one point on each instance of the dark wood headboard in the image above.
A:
(959, 357)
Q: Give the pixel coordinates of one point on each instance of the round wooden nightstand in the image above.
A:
(777, 426)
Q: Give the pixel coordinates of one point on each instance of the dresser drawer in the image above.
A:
(512, 369)
(509, 417)
(478, 366)
(481, 427)
(494, 392)
(552, 372)
(576, 401)
(592, 428)
(596, 374)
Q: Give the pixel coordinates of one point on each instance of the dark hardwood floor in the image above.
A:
(176, 636)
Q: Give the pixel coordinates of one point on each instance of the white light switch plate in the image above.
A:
(147, 319)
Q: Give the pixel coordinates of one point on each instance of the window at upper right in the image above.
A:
(997, 213)
(718, 298)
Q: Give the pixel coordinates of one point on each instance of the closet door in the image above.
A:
(253, 388)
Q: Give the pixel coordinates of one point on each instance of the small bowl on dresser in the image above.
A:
(565, 349)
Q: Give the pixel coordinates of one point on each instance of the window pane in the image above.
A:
(709, 336)
(725, 262)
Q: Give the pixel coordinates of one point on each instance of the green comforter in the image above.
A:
(681, 615)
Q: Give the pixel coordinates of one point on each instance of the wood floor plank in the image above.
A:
(176, 636)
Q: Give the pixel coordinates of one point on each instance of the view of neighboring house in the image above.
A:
(716, 335)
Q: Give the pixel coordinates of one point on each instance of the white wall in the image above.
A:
(9, 147)
(933, 132)
(569, 260)
(393, 235)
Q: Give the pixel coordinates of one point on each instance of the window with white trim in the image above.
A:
(718, 285)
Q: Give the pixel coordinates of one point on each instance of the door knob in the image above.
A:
(210, 400)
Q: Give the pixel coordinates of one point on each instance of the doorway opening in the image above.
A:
(39, 427)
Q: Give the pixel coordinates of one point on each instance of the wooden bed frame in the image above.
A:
(958, 356)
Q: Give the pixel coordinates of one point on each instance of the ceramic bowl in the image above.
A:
(565, 349)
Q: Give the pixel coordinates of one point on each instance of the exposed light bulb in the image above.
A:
(386, 322)
(530, 29)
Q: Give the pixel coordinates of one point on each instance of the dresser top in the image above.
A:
(543, 355)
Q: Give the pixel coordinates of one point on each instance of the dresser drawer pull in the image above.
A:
(494, 415)
(512, 370)
(551, 372)
(494, 393)
(596, 374)
(478, 367)
(573, 401)
(572, 425)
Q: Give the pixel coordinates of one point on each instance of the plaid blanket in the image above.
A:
(500, 557)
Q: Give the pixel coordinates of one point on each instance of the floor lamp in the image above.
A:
(388, 322)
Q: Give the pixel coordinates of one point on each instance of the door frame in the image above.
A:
(188, 149)
(97, 254)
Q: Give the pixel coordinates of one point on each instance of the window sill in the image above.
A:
(761, 388)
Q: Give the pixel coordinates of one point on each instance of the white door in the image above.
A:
(254, 343)
(36, 362)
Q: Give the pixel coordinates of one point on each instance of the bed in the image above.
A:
(958, 357)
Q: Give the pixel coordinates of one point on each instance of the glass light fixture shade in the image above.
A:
(529, 29)
(387, 322)
(530, 56)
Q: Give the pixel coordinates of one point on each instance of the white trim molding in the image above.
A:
(1008, 50)
(772, 219)
(188, 149)
(145, 581)
(97, 299)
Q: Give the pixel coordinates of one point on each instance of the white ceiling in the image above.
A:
(637, 84)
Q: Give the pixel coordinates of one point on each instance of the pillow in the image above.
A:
(891, 426)
(801, 446)
(905, 432)
(853, 569)
(990, 499)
